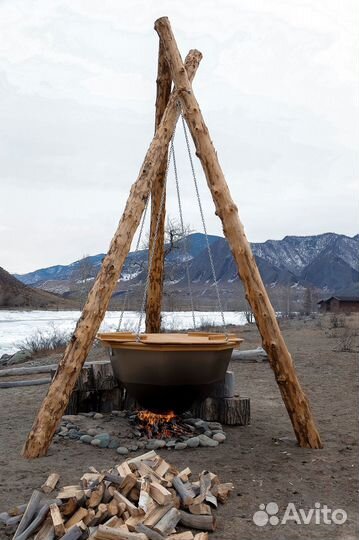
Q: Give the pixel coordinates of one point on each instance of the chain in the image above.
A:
(183, 233)
(203, 223)
(125, 300)
(154, 242)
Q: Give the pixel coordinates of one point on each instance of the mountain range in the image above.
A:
(328, 262)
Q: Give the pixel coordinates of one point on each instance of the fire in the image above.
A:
(153, 418)
(159, 426)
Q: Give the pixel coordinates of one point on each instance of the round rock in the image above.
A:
(206, 441)
(97, 416)
(180, 446)
(193, 442)
(154, 444)
(95, 442)
(122, 450)
(220, 437)
(86, 439)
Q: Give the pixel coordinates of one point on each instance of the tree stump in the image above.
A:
(234, 411)
(96, 390)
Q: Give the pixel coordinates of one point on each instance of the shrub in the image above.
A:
(42, 342)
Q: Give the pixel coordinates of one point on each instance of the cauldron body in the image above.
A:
(168, 372)
(163, 381)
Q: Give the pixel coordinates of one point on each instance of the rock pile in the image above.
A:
(199, 433)
(144, 498)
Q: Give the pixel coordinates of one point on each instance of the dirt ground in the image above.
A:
(262, 467)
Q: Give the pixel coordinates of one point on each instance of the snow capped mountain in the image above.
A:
(328, 261)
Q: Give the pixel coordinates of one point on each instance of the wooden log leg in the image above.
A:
(279, 357)
(56, 400)
(155, 287)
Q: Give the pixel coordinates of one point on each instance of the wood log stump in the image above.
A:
(233, 411)
(96, 390)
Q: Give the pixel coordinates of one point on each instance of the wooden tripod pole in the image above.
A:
(57, 398)
(155, 286)
(280, 359)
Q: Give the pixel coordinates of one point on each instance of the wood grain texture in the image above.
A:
(158, 215)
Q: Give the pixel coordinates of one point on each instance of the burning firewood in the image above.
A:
(144, 498)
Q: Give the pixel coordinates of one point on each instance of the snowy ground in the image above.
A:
(15, 326)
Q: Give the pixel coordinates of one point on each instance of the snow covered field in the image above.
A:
(15, 326)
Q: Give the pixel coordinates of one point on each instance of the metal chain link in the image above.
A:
(203, 222)
(125, 300)
(154, 242)
(184, 239)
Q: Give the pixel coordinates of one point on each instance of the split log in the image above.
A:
(130, 507)
(186, 535)
(128, 483)
(162, 467)
(155, 515)
(168, 522)
(73, 534)
(206, 523)
(160, 494)
(56, 400)
(280, 359)
(150, 533)
(201, 536)
(50, 483)
(70, 506)
(96, 496)
(47, 531)
(158, 214)
(57, 520)
(145, 500)
(35, 524)
(109, 533)
(222, 491)
(143, 457)
(200, 509)
(79, 515)
(182, 490)
(31, 509)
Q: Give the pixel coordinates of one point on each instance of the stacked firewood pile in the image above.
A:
(144, 498)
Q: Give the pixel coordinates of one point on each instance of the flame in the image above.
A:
(156, 425)
(153, 418)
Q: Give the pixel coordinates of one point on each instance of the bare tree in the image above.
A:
(82, 277)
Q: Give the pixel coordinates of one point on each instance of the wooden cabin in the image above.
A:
(339, 304)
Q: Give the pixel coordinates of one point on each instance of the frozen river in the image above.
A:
(15, 326)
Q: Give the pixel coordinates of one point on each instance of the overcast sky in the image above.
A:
(277, 86)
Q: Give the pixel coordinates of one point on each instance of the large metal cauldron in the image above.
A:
(168, 372)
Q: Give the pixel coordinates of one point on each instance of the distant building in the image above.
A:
(339, 304)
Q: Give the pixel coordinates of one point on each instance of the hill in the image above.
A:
(14, 294)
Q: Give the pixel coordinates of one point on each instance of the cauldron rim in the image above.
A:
(190, 341)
